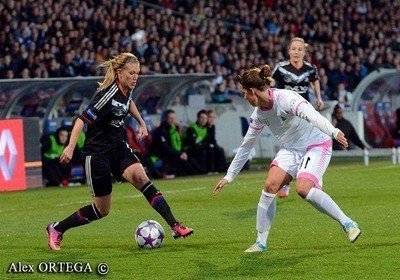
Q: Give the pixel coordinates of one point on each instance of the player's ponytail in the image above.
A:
(256, 77)
(112, 65)
(265, 74)
(306, 46)
(110, 74)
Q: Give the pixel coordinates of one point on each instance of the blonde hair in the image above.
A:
(112, 65)
(301, 40)
(256, 77)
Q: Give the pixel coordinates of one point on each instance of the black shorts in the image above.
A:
(100, 168)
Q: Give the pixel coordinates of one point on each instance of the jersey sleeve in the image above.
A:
(295, 104)
(97, 109)
(249, 140)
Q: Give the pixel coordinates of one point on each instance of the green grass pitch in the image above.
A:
(303, 243)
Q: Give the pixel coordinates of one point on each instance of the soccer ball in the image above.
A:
(149, 234)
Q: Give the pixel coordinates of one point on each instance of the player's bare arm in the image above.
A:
(134, 112)
(317, 88)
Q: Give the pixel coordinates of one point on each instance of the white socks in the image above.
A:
(265, 214)
(267, 207)
(325, 204)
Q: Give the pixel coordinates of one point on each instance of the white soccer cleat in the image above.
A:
(256, 248)
(352, 230)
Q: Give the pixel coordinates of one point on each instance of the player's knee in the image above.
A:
(271, 186)
(302, 190)
(137, 176)
(139, 181)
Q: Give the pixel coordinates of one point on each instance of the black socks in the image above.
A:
(157, 201)
(81, 217)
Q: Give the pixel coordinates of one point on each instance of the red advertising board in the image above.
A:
(12, 169)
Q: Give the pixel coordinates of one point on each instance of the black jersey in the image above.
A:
(289, 77)
(105, 118)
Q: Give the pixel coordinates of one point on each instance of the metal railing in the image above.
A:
(393, 154)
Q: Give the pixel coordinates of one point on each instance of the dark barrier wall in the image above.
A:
(33, 163)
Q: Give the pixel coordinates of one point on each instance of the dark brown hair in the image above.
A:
(258, 78)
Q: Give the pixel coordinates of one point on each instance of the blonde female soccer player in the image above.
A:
(296, 74)
(107, 153)
(306, 150)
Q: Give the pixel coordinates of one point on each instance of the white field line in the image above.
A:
(115, 198)
(131, 196)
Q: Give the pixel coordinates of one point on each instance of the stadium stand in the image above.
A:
(69, 38)
(51, 39)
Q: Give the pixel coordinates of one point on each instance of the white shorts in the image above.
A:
(310, 164)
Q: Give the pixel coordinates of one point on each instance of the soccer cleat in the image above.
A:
(256, 248)
(179, 230)
(284, 191)
(55, 237)
(352, 230)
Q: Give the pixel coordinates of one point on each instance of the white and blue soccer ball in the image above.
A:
(149, 234)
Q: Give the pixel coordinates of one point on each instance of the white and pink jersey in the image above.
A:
(292, 120)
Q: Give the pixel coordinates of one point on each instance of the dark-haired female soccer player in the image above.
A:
(306, 138)
(107, 153)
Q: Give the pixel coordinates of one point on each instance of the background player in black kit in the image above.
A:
(107, 153)
(297, 75)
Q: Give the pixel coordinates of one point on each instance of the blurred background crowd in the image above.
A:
(65, 38)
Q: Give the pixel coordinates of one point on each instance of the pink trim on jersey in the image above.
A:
(256, 128)
(271, 98)
(310, 177)
(326, 144)
(274, 163)
(298, 106)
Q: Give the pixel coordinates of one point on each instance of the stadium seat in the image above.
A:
(374, 126)
(77, 174)
(374, 134)
(66, 122)
(387, 141)
(390, 117)
(50, 126)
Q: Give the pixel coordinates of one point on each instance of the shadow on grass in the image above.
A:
(344, 248)
(267, 264)
(241, 214)
(250, 266)
(251, 212)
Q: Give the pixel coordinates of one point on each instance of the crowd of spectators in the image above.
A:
(66, 38)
